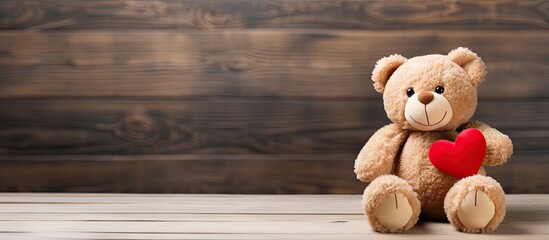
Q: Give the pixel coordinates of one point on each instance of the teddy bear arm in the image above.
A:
(499, 147)
(377, 156)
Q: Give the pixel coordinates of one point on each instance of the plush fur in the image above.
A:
(401, 150)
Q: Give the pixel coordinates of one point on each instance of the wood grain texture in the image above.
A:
(190, 15)
(242, 96)
(307, 174)
(228, 126)
(128, 216)
(215, 126)
(303, 174)
(279, 63)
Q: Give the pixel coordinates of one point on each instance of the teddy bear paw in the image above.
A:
(476, 210)
(390, 204)
(395, 211)
(365, 176)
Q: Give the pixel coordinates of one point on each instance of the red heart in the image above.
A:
(462, 158)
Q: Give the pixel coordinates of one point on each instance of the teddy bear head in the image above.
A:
(432, 92)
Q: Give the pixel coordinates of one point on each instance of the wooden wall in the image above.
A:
(243, 96)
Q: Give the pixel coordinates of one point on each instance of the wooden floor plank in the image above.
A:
(252, 227)
(128, 216)
(83, 198)
(426, 234)
(178, 217)
(135, 198)
(218, 204)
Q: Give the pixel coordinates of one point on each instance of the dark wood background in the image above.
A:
(243, 96)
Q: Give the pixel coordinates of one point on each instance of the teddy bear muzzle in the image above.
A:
(427, 111)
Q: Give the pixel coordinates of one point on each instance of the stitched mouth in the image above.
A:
(427, 125)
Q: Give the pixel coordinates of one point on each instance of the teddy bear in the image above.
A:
(429, 162)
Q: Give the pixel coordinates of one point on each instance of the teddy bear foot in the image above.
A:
(390, 204)
(475, 204)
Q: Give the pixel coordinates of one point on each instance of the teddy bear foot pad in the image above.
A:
(476, 210)
(391, 205)
(395, 211)
(475, 204)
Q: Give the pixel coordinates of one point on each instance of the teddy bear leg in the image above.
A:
(390, 204)
(475, 204)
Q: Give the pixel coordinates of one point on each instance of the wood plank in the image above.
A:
(178, 217)
(190, 15)
(329, 208)
(227, 126)
(198, 176)
(136, 198)
(263, 63)
(522, 175)
(534, 201)
(209, 126)
(250, 217)
(78, 210)
(211, 204)
(258, 227)
(426, 233)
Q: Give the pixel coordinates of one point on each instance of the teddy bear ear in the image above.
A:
(468, 60)
(383, 70)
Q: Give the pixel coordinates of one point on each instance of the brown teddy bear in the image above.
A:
(413, 167)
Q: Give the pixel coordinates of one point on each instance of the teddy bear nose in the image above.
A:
(425, 97)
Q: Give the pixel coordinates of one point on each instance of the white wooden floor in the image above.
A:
(133, 216)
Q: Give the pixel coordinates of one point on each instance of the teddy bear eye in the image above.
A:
(439, 89)
(410, 92)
